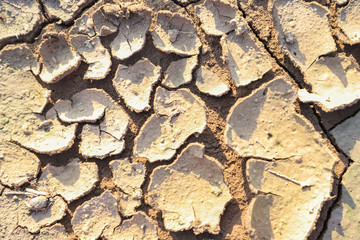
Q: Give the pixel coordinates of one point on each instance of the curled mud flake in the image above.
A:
(85, 106)
(347, 136)
(106, 19)
(54, 138)
(138, 227)
(335, 82)
(246, 58)
(20, 234)
(58, 59)
(185, 42)
(128, 177)
(34, 220)
(105, 139)
(65, 10)
(217, 17)
(95, 54)
(304, 30)
(178, 115)
(97, 217)
(17, 165)
(297, 186)
(345, 218)
(132, 32)
(179, 72)
(134, 84)
(56, 231)
(83, 25)
(210, 83)
(191, 192)
(19, 19)
(72, 181)
(350, 21)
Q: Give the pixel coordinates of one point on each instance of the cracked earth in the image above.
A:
(179, 119)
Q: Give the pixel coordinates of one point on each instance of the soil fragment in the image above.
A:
(179, 72)
(175, 33)
(350, 21)
(56, 231)
(178, 114)
(191, 192)
(94, 54)
(128, 177)
(334, 82)
(65, 10)
(72, 181)
(210, 83)
(304, 30)
(134, 84)
(139, 227)
(266, 125)
(58, 59)
(246, 58)
(96, 218)
(132, 32)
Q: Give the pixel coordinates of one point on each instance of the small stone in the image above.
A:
(38, 203)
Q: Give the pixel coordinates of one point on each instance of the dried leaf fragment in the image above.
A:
(178, 114)
(72, 181)
(134, 84)
(132, 32)
(175, 33)
(58, 59)
(179, 72)
(191, 192)
(96, 217)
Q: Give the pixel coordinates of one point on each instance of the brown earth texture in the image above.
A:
(179, 119)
